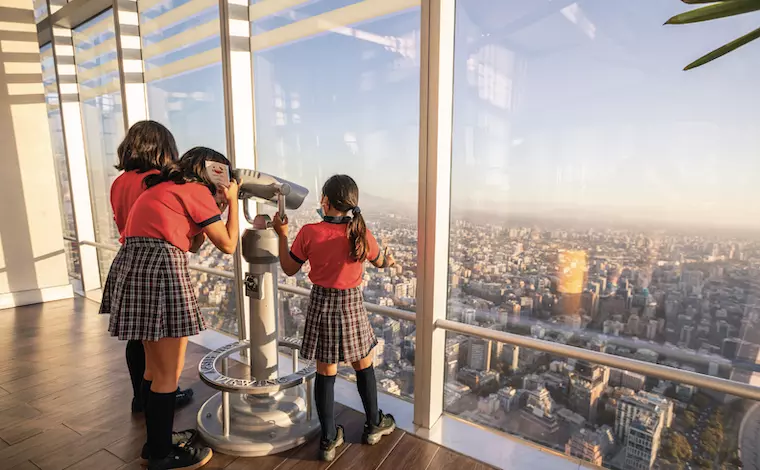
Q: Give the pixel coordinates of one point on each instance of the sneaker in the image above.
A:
(373, 433)
(183, 397)
(327, 449)
(179, 439)
(182, 458)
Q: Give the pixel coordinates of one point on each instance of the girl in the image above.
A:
(337, 327)
(149, 293)
(148, 147)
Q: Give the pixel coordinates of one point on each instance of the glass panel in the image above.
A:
(181, 47)
(347, 101)
(40, 10)
(103, 120)
(596, 200)
(602, 415)
(52, 106)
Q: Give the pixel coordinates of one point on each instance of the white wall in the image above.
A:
(32, 260)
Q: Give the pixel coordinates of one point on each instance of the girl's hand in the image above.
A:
(231, 192)
(389, 261)
(280, 226)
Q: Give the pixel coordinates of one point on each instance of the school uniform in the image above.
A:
(124, 192)
(148, 293)
(337, 325)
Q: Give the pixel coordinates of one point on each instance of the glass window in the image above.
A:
(346, 101)
(601, 195)
(52, 105)
(103, 120)
(40, 10)
(183, 71)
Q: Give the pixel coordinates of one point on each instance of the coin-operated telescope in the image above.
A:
(261, 413)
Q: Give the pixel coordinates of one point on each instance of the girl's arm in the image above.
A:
(385, 260)
(288, 264)
(225, 236)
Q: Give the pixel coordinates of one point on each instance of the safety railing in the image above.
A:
(659, 371)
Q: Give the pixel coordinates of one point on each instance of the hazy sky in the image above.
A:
(558, 105)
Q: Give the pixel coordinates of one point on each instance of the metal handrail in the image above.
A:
(654, 370)
(618, 362)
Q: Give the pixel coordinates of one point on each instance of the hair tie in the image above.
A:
(356, 211)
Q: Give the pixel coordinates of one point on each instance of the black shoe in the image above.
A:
(373, 433)
(183, 397)
(327, 449)
(137, 406)
(182, 458)
(179, 439)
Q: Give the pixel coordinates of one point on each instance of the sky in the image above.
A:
(558, 106)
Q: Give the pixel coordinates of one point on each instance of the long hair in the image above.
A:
(191, 168)
(343, 194)
(147, 146)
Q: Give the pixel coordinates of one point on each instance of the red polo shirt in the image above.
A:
(124, 192)
(327, 249)
(173, 212)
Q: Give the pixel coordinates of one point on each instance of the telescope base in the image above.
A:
(258, 425)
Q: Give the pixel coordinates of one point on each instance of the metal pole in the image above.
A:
(309, 407)
(225, 403)
(294, 352)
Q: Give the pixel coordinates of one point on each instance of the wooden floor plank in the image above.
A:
(362, 456)
(47, 442)
(101, 460)
(411, 453)
(447, 460)
(79, 450)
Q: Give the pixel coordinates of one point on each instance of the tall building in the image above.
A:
(642, 443)
(480, 354)
(643, 404)
(586, 445)
(586, 386)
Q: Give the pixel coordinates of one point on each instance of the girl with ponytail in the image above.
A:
(337, 327)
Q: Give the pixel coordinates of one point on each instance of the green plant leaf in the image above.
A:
(723, 50)
(695, 2)
(715, 11)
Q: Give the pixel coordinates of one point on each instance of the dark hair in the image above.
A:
(343, 194)
(148, 145)
(191, 168)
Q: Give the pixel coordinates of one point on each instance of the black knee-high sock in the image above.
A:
(136, 365)
(145, 393)
(160, 421)
(324, 395)
(367, 385)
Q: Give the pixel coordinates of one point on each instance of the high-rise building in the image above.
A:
(586, 386)
(642, 443)
(480, 354)
(651, 330)
(642, 404)
(586, 445)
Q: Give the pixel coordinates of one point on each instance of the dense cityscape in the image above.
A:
(683, 300)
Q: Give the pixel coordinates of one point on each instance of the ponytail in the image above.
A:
(357, 236)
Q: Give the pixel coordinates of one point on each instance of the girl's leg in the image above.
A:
(147, 379)
(166, 358)
(324, 395)
(367, 386)
(136, 365)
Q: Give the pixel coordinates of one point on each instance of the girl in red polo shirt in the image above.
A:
(147, 147)
(337, 327)
(149, 293)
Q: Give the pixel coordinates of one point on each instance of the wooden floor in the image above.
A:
(65, 404)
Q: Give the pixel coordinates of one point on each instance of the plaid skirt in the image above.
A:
(337, 326)
(149, 294)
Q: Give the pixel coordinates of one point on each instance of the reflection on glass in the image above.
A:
(347, 101)
(183, 70)
(103, 121)
(52, 106)
(40, 10)
(601, 197)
